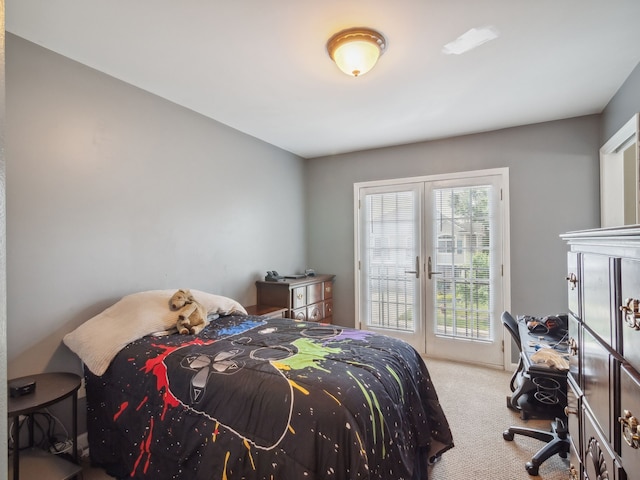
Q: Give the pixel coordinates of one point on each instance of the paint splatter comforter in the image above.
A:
(273, 399)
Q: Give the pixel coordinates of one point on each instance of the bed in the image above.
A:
(258, 398)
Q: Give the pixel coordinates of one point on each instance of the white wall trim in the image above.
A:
(613, 209)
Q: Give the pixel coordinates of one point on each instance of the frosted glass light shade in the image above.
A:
(356, 50)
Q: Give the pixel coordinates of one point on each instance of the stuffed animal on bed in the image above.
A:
(192, 316)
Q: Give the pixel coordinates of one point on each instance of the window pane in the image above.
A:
(390, 222)
(463, 235)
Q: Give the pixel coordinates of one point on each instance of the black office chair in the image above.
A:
(557, 440)
(511, 325)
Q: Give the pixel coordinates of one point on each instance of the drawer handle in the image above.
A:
(299, 296)
(570, 411)
(631, 312)
(630, 429)
(327, 289)
(573, 347)
(573, 280)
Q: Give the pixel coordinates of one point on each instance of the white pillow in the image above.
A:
(99, 339)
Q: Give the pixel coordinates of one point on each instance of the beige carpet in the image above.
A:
(474, 400)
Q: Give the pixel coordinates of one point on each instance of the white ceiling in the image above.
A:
(261, 66)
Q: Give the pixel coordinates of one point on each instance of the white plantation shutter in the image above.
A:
(463, 235)
(390, 249)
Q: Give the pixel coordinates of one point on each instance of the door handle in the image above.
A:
(631, 313)
(416, 272)
(429, 271)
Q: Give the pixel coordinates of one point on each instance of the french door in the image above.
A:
(430, 257)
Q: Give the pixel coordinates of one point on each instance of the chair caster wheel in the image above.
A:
(507, 435)
(531, 468)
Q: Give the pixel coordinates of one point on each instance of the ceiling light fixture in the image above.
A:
(356, 50)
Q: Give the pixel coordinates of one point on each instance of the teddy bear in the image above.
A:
(192, 316)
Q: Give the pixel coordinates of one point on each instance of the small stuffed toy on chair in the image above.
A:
(192, 316)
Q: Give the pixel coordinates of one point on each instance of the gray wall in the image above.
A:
(112, 190)
(624, 104)
(554, 177)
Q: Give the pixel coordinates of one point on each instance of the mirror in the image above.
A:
(619, 177)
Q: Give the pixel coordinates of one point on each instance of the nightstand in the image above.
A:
(307, 299)
(35, 463)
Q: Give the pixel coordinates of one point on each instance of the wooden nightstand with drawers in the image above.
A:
(305, 299)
